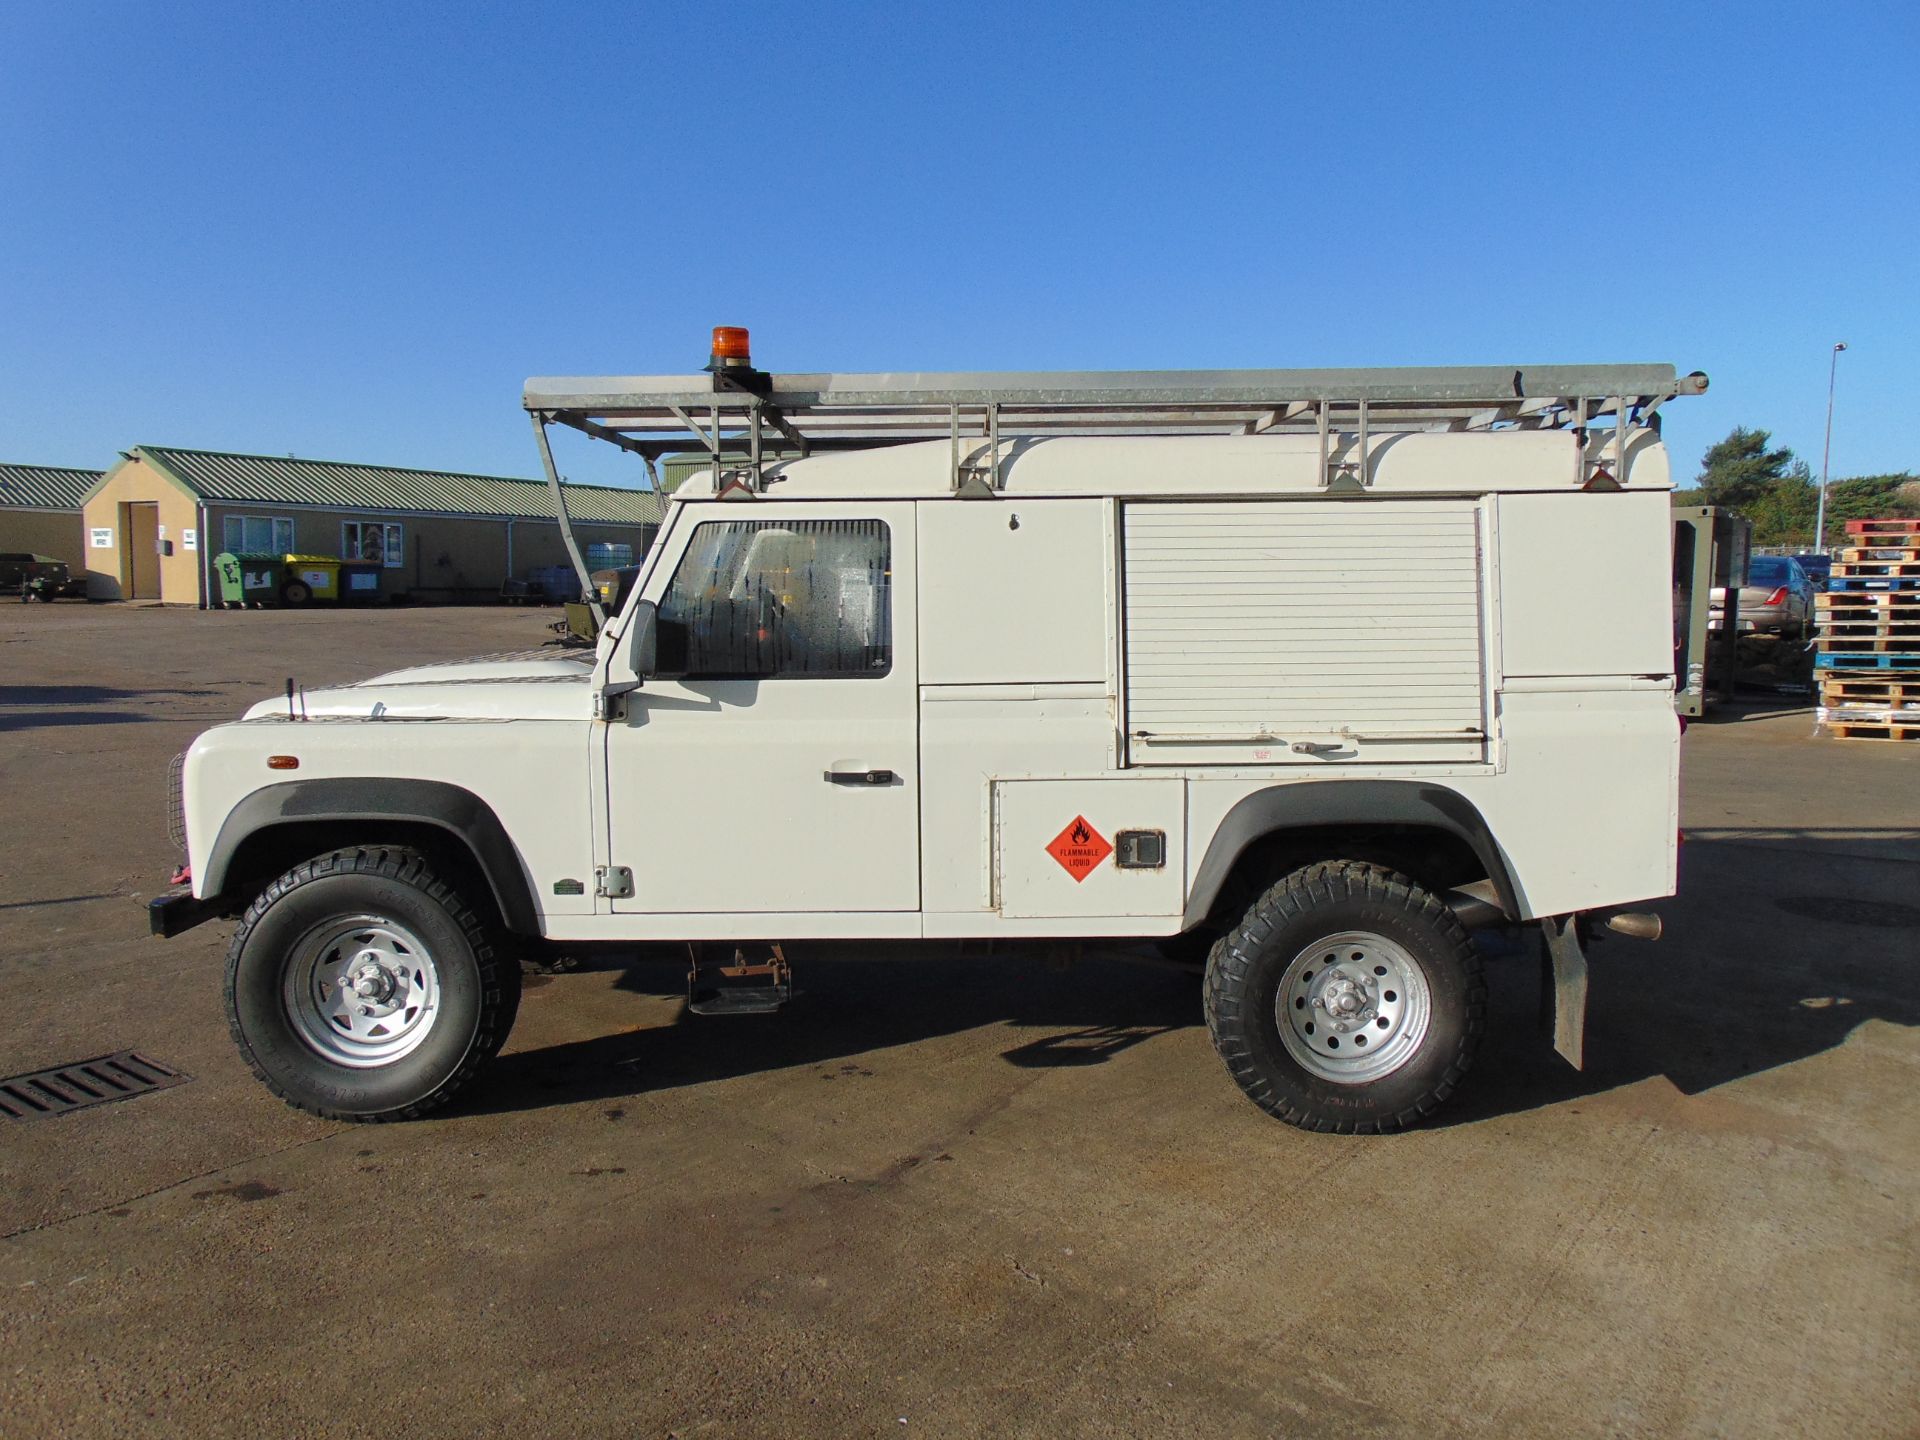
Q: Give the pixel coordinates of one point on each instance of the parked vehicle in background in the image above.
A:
(1776, 600)
(1323, 671)
(582, 625)
(1819, 568)
(39, 577)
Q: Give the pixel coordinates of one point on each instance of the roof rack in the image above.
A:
(734, 411)
(655, 415)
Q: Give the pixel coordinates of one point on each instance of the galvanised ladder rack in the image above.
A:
(732, 411)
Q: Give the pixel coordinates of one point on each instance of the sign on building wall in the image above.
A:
(190, 539)
(100, 539)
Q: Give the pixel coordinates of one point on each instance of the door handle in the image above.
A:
(859, 777)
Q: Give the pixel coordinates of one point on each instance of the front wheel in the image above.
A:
(1347, 999)
(361, 986)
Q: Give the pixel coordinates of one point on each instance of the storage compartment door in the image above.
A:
(1061, 847)
(1304, 632)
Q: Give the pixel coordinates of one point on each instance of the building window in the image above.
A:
(258, 535)
(605, 556)
(768, 599)
(377, 542)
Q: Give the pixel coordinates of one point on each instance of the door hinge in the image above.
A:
(615, 882)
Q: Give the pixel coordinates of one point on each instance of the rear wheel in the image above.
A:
(361, 986)
(296, 592)
(1347, 999)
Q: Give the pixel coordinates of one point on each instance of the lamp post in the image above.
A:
(1826, 454)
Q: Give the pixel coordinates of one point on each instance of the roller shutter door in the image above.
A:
(1351, 628)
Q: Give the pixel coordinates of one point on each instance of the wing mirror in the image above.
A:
(639, 656)
(644, 649)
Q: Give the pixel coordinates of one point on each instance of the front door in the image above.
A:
(771, 765)
(143, 550)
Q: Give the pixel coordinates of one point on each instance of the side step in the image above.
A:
(744, 984)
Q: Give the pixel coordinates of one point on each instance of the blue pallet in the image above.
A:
(1827, 660)
(1874, 582)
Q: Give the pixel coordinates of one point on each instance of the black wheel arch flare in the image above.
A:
(450, 808)
(1307, 804)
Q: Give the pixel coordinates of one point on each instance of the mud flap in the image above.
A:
(1564, 986)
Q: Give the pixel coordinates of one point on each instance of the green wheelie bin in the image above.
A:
(246, 579)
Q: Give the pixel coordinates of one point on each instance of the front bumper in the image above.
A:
(177, 912)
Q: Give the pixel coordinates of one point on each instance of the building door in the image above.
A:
(772, 764)
(141, 566)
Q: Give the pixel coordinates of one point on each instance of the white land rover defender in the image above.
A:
(1310, 671)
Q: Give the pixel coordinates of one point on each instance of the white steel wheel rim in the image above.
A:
(1353, 1007)
(362, 991)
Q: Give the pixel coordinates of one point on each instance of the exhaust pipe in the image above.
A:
(1635, 924)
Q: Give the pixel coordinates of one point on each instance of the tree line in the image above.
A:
(1781, 495)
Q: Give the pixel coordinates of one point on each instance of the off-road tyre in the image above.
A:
(1247, 966)
(478, 979)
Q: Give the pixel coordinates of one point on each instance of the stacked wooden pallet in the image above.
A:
(1868, 661)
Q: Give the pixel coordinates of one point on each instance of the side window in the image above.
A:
(372, 541)
(767, 599)
(257, 534)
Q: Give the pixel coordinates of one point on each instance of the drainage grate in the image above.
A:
(90, 1082)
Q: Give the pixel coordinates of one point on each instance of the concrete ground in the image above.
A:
(958, 1198)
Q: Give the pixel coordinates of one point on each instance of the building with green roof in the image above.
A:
(155, 521)
(40, 510)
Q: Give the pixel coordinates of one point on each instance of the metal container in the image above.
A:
(359, 582)
(310, 577)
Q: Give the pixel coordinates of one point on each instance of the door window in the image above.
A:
(772, 599)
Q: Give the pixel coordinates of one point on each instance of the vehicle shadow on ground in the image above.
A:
(60, 900)
(1780, 946)
(11, 720)
(48, 695)
(46, 707)
(854, 1000)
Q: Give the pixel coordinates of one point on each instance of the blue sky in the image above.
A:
(352, 230)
